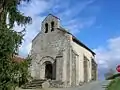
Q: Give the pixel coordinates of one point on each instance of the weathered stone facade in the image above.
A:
(58, 55)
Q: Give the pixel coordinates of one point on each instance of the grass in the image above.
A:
(114, 84)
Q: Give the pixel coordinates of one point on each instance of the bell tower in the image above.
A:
(50, 23)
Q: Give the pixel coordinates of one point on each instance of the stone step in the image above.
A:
(34, 84)
(31, 86)
(35, 80)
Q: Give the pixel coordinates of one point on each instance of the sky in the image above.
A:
(96, 23)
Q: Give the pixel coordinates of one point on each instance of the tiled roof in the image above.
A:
(18, 59)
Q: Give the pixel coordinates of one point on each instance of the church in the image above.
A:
(59, 55)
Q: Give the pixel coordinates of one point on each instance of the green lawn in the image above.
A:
(114, 84)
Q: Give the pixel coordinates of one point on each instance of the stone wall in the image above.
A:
(57, 47)
(81, 51)
(52, 44)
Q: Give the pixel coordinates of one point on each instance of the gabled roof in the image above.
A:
(52, 16)
(77, 41)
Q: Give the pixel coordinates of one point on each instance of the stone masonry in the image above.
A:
(59, 56)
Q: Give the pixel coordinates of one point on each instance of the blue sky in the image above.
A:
(94, 22)
(107, 24)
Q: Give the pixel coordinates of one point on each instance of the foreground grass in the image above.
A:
(114, 84)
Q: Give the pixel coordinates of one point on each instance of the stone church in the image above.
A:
(59, 55)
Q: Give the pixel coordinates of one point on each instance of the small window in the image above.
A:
(46, 28)
(52, 26)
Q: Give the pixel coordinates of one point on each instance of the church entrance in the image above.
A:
(48, 70)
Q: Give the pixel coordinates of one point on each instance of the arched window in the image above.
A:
(52, 26)
(46, 27)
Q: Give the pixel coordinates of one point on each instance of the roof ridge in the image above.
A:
(63, 29)
(53, 16)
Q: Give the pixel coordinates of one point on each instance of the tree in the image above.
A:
(10, 41)
(21, 70)
(9, 7)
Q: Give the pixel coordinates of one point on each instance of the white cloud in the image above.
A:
(32, 9)
(76, 25)
(71, 10)
(71, 18)
(108, 56)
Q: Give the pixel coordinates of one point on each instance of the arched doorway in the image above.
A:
(48, 70)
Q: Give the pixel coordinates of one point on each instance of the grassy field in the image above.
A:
(114, 84)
